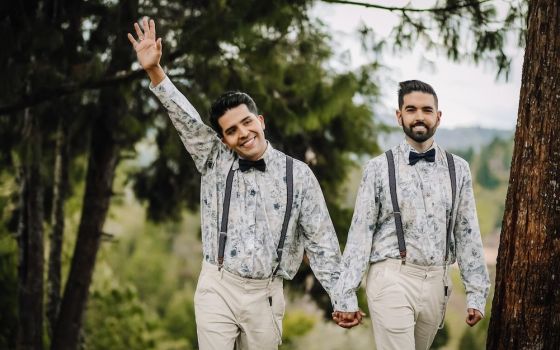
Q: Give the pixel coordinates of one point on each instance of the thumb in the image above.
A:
(158, 44)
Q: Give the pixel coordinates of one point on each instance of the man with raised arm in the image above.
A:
(260, 210)
(415, 215)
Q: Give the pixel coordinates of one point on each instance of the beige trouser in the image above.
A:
(406, 303)
(236, 312)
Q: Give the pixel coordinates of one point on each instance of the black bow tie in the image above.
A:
(245, 165)
(429, 156)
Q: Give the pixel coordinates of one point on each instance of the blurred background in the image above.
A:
(99, 200)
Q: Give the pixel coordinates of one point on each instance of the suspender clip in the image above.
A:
(221, 248)
(403, 257)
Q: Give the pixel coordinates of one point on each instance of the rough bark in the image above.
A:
(526, 307)
(104, 154)
(30, 242)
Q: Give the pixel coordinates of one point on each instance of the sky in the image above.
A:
(468, 95)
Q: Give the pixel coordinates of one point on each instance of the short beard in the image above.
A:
(419, 137)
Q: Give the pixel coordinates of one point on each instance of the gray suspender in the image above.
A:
(225, 214)
(451, 166)
(396, 209)
(397, 212)
(289, 200)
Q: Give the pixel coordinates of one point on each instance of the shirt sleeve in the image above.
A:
(200, 140)
(319, 236)
(358, 247)
(468, 246)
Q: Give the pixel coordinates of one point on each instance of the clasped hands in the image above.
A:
(348, 319)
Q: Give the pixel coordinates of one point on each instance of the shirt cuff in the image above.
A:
(163, 88)
(347, 303)
(476, 302)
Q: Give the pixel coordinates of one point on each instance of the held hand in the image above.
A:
(148, 49)
(473, 316)
(348, 319)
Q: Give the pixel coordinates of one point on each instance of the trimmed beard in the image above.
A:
(419, 137)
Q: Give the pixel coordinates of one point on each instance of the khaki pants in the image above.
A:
(406, 303)
(236, 312)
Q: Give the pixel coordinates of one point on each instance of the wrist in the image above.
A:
(156, 74)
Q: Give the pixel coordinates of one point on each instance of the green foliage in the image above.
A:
(118, 319)
(179, 319)
(484, 176)
(491, 175)
(467, 154)
(8, 291)
(296, 324)
(442, 337)
(472, 30)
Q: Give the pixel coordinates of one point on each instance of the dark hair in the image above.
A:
(227, 101)
(409, 86)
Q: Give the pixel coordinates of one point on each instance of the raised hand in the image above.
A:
(148, 49)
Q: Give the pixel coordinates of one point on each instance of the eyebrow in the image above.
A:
(233, 127)
(423, 107)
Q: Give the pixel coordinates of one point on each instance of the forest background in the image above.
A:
(99, 200)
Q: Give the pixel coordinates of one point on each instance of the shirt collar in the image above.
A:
(406, 148)
(267, 156)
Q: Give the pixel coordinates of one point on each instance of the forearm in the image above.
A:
(199, 139)
(156, 74)
(469, 249)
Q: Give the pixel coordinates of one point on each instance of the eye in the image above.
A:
(247, 121)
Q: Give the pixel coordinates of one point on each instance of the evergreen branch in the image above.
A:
(40, 96)
(68, 89)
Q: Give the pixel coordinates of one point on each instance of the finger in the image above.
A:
(138, 31)
(146, 27)
(359, 316)
(158, 44)
(152, 29)
(132, 40)
(348, 324)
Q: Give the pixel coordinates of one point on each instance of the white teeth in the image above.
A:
(248, 143)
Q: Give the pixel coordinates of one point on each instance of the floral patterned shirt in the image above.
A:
(258, 204)
(424, 196)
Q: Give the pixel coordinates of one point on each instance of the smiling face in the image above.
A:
(419, 117)
(243, 132)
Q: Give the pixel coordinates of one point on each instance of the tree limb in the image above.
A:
(407, 9)
(67, 89)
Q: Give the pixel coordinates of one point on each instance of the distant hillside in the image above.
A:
(454, 139)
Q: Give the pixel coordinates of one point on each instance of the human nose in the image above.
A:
(243, 132)
(419, 116)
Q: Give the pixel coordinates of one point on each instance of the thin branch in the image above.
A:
(68, 89)
(407, 9)
(40, 96)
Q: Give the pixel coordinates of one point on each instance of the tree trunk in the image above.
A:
(99, 181)
(57, 233)
(30, 241)
(526, 307)
(104, 154)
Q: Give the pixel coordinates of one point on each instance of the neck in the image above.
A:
(420, 147)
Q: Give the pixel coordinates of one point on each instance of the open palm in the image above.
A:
(148, 49)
